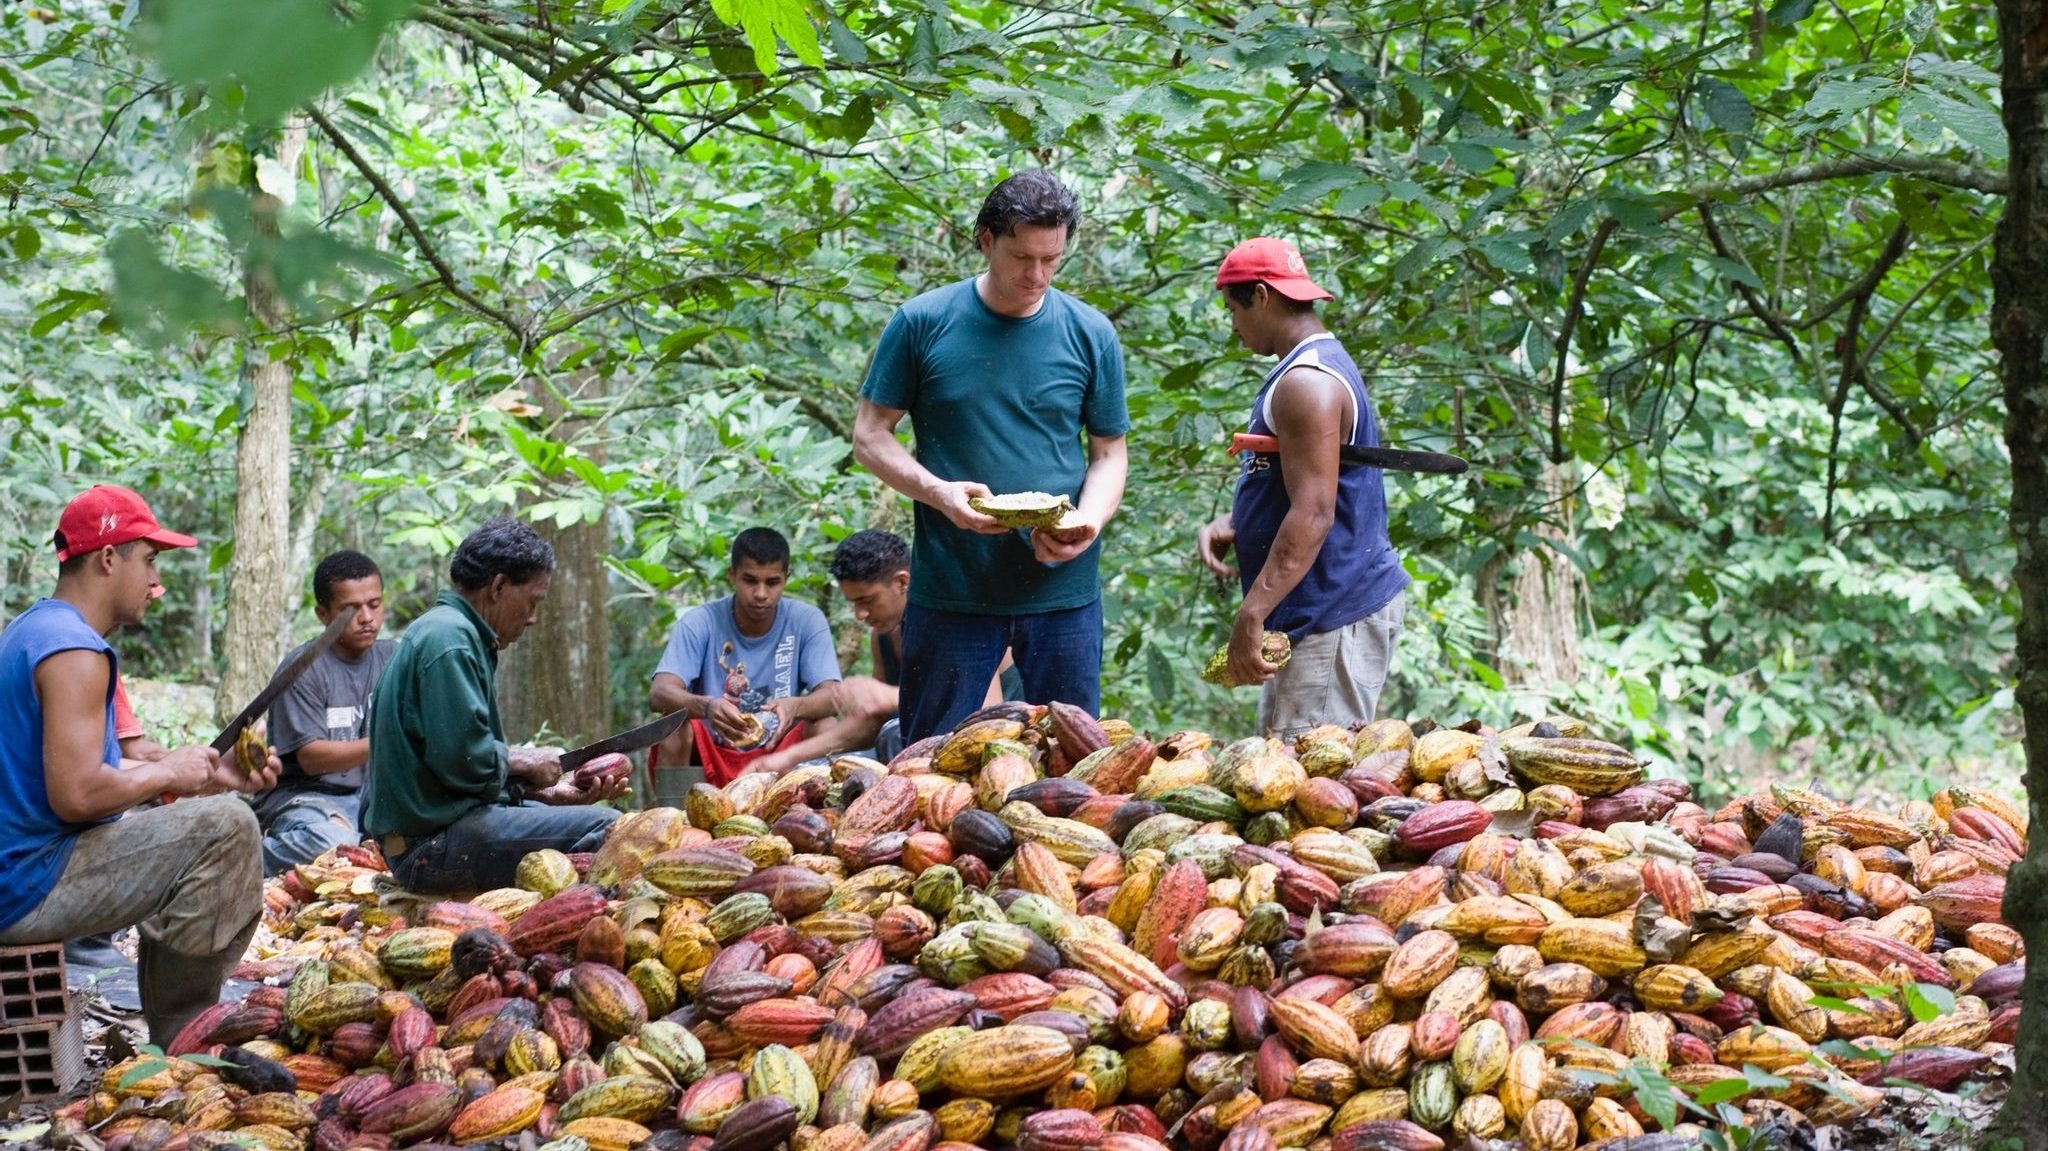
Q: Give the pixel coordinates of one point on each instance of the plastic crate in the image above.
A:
(31, 984)
(42, 1060)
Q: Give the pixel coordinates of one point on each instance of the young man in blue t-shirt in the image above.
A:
(188, 874)
(1000, 374)
(1310, 532)
(734, 661)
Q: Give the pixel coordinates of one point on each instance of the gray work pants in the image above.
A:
(188, 876)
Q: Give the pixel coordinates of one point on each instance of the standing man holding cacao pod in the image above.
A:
(453, 807)
(1000, 375)
(188, 875)
(1310, 531)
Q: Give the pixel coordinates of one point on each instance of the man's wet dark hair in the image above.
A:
(761, 546)
(1241, 295)
(501, 547)
(870, 556)
(341, 567)
(1033, 197)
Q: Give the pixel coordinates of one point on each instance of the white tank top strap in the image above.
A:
(1350, 396)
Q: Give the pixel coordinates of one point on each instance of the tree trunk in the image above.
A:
(1534, 617)
(306, 522)
(559, 673)
(2019, 327)
(259, 584)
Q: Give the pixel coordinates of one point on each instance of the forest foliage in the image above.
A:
(1699, 288)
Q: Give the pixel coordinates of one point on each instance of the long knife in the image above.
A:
(632, 739)
(286, 675)
(1389, 459)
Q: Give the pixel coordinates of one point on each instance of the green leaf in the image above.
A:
(1730, 269)
(27, 242)
(161, 302)
(1929, 1001)
(1507, 255)
(1311, 182)
(282, 52)
(849, 46)
(1486, 675)
(1760, 1079)
(1426, 252)
(1658, 1095)
(764, 21)
(1642, 698)
(1786, 13)
(142, 1071)
(1702, 587)
(1919, 22)
(1472, 157)
(1159, 675)
(1979, 127)
(65, 304)
(1846, 96)
(1729, 109)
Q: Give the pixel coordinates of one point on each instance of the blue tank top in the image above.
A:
(34, 843)
(1357, 572)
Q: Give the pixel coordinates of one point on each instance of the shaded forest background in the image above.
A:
(1701, 290)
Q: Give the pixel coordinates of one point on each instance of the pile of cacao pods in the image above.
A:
(1047, 932)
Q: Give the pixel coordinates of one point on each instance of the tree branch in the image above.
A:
(1941, 273)
(521, 328)
(1757, 306)
(1573, 308)
(1947, 172)
(1852, 362)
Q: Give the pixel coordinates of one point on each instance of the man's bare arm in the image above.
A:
(1102, 492)
(72, 687)
(876, 447)
(328, 756)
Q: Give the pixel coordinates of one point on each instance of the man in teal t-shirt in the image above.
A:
(1000, 375)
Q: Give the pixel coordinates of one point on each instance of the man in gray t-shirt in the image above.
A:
(320, 725)
(731, 660)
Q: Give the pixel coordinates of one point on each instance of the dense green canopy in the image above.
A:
(1700, 289)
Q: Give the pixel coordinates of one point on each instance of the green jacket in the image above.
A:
(437, 745)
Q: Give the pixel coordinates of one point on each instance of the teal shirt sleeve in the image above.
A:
(1103, 410)
(896, 371)
(461, 750)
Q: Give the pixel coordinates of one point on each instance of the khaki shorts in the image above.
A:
(1333, 676)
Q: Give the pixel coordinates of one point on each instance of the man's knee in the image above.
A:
(224, 819)
(675, 750)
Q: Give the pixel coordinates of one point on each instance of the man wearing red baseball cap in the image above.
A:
(188, 875)
(1310, 533)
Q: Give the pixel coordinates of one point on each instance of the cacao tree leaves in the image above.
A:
(279, 53)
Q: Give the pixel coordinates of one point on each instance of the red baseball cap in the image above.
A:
(1275, 262)
(107, 516)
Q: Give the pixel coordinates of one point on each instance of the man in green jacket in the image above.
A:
(451, 805)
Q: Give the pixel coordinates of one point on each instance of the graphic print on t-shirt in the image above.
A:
(742, 691)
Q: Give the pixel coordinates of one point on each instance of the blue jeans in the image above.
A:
(301, 826)
(481, 850)
(949, 658)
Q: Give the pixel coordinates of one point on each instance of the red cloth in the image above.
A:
(723, 764)
(126, 726)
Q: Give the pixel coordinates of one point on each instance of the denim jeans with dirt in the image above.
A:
(301, 826)
(481, 850)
